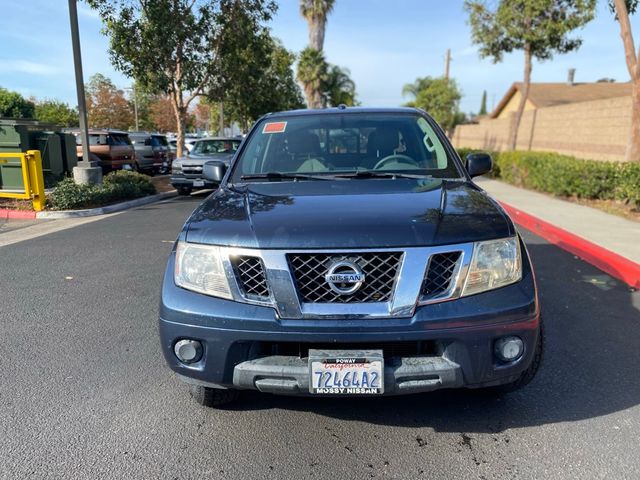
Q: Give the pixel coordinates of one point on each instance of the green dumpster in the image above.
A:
(11, 174)
(58, 150)
(14, 138)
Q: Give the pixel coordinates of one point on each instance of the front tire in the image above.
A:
(183, 191)
(212, 397)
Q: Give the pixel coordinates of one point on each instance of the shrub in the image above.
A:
(116, 186)
(567, 176)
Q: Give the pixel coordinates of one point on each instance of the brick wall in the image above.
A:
(597, 130)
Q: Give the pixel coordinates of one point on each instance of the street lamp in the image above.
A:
(86, 171)
(135, 104)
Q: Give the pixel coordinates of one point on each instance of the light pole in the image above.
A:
(87, 172)
(135, 104)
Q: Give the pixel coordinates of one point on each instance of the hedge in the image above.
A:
(567, 176)
(116, 186)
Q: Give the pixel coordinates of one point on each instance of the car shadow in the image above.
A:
(196, 198)
(590, 367)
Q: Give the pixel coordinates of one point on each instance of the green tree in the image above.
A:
(14, 105)
(339, 88)
(539, 28)
(622, 9)
(483, 104)
(312, 73)
(173, 46)
(107, 106)
(145, 100)
(439, 97)
(260, 77)
(56, 112)
(315, 12)
(280, 82)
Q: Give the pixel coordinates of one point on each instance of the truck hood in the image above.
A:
(348, 214)
(200, 159)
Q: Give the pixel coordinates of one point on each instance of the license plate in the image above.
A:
(345, 372)
(198, 183)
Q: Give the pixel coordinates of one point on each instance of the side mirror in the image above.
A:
(478, 164)
(214, 171)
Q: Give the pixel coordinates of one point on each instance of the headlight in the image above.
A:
(495, 263)
(176, 167)
(199, 268)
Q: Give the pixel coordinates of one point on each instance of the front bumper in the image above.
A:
(290, 375)
(250, 347)
(188, 181)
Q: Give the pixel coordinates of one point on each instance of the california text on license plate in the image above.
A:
(347, 372)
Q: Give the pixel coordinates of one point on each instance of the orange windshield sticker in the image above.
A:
(274, 127)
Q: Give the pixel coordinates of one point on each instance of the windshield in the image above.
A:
(342, 144)
(209, 147)
(159, 141)
(118, 140)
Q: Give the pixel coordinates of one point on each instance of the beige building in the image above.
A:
(587, 120)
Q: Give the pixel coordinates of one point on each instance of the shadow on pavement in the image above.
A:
(196, 198)
(590, 367)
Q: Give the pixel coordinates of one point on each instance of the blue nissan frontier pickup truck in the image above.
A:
(347, 251)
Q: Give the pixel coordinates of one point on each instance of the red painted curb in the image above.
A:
(610, 262)
(6, 213)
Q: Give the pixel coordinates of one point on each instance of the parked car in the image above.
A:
(188, 144)
(111, 148)
(347, 251)
(172, 143)
(186, 172)
(152, 152)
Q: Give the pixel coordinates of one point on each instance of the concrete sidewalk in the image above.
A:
(612, 241)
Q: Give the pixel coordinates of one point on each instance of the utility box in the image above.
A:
(51, 152)
(69, 153)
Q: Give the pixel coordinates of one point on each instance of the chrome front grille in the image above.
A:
(303, 284)
(251, 276)
(191, 169)
(440, 275)
(380, 268)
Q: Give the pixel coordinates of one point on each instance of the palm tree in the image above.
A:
(315, 13)
(312, 73)
(339, 88)
(413, 89)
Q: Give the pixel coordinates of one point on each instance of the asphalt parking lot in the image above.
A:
(85, 393)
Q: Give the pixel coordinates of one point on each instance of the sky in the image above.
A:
(384, 43)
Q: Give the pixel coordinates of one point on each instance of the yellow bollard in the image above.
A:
(32, 178)
(36, 180)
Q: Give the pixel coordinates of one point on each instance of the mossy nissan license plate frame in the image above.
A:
(346, 372)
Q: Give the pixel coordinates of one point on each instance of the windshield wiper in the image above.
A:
(285, 176)
(373, 174)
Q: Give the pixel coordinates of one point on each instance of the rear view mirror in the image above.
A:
(478, 164)
(214, 171)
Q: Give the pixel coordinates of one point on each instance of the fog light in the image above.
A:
(188, 351)
(508, 349)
